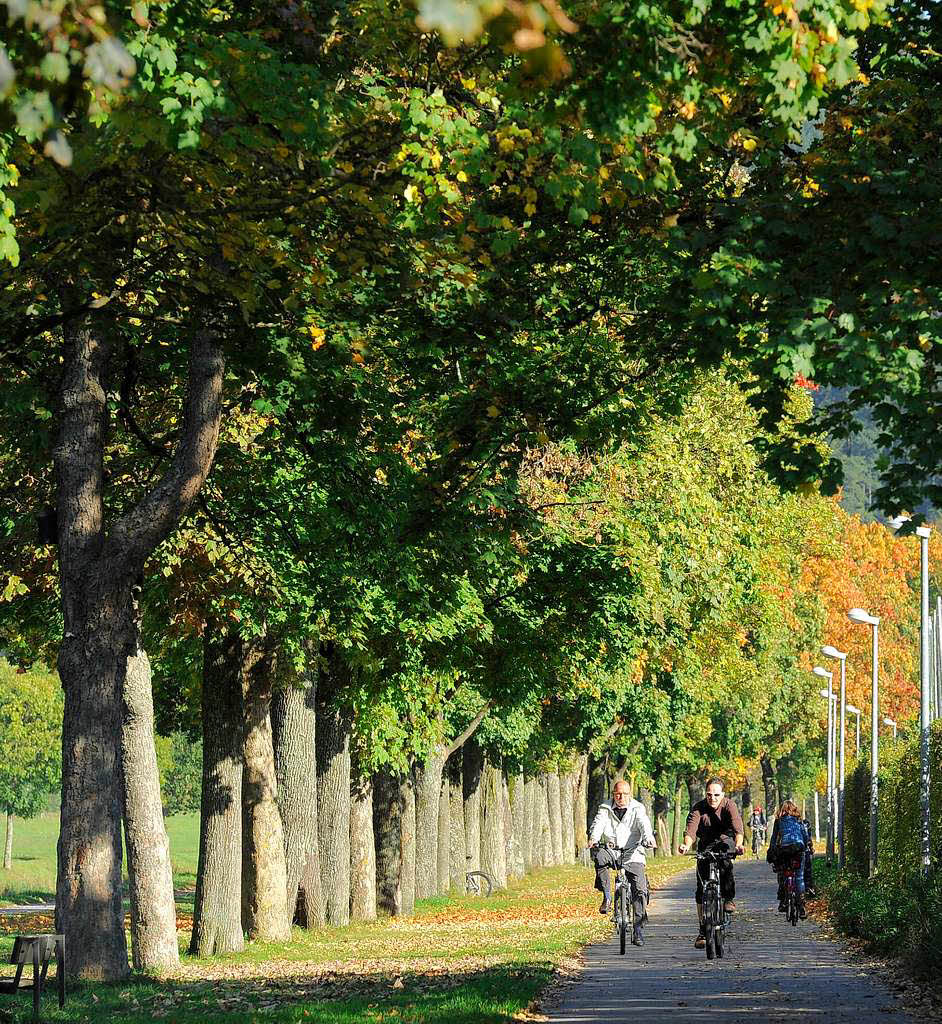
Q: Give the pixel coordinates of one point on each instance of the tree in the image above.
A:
(30, 735)
(271, 217)
(826, 267)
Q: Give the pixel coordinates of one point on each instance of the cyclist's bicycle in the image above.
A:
(623, 910)
(758, 840)
(789, 866)
(715, 917)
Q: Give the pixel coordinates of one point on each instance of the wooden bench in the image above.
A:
(36, 949)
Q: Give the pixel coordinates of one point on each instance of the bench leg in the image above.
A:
(60, 969)
(37, 981)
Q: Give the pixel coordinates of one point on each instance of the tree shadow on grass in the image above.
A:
(488, 995)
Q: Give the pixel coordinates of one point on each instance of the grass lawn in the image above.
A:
(460, 960)
(33, 875)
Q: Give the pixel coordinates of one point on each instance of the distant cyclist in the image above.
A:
(758, 824)
(624, 823)
(714, 819)
(790, 842)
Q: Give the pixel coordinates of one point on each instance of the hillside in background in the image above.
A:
(858, 455)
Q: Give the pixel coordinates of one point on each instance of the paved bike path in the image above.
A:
(771, 972)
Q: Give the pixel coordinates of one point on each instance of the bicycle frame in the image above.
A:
(790, 869)
(715, 916)
(623, 895)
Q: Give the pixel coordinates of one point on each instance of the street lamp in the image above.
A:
(925, 716)
(862, 617)
(830, 697)
(829, 651)
(892, 724)
(851, 710)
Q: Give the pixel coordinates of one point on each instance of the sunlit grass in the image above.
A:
(32, 877)
(460, 960)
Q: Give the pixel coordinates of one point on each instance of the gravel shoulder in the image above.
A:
(772, 971)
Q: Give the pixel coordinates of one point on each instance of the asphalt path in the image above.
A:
(772, 971)
(27, 908)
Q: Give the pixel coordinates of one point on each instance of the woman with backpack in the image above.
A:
(790, 839)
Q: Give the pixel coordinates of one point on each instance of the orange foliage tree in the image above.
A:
(870, 567)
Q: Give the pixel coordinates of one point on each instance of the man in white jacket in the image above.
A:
(625, 824)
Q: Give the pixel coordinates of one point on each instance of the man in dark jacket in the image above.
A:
(714, 819)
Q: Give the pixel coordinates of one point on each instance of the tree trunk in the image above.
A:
(407, 789)
(526, 833)
(444, 836)
(746, 800)
(768, 782)
(217, 911)
(533, 791)
(387, 835)
(362, 852)
(293, 735)
(473, 765)
(678, 829)
(264, 874)
(493, 854)
(518, 813)
(99, 563)
(333, 728)
(456, 848)
(580, 811)
(597, 788)
(783, 780)
(555, 817)
(545, 832)
(150, 876)
(88, 886)
(694, 789)
(566, 802)
(513, 854)
(8, 845)
(647, 801)
(428, 786)
(661, 810)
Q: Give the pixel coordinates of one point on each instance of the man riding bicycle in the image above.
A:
(714, 819)
(626, 825)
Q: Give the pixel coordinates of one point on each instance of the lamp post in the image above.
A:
(830, 696)
(892, 724)
(851, 710)
(829, 651)
(925, 709)
(925, 720)
(865, 618)
(938, 657)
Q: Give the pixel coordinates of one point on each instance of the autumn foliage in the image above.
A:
(869, 567)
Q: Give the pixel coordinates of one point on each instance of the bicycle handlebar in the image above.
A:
(710, 854)
(623, 852)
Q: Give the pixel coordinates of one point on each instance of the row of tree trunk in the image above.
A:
(292, 832)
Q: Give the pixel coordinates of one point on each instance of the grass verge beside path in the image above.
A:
(461, 960)
(899, 920)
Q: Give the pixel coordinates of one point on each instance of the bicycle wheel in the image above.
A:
(720, 941)
(709, 924)
(792, 909)
(622, 920)
(478, 883)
